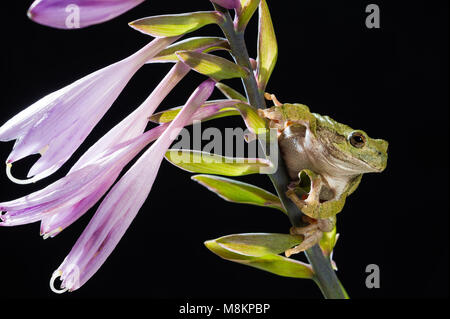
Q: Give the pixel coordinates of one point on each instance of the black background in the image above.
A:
(391, 82)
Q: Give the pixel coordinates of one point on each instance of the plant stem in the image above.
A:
(241, 57)
(325, 277)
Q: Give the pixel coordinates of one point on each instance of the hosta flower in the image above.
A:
(64, 14)
(123, 202)
(56, 125)
(78, 188)
(64, 201)
(61, 203)
(228, 4)
(135, 123)
(132, 126)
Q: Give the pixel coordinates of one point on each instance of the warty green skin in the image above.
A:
(320, 147)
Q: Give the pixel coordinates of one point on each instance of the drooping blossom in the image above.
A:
(56, 125)
(130, 127)
(228, 4)
(69, 192)
(72, 14)
(122, 203)
(135, 123)
(63, 208)
(63, 202)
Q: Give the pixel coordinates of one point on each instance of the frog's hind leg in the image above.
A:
(273, 98)
(312, 207)
(312, 235)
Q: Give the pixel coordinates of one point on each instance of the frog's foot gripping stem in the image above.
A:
(273, 98)
(312, 234)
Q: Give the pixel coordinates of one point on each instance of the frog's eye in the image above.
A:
(357, 139)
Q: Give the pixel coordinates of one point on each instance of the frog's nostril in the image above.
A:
(382, 146)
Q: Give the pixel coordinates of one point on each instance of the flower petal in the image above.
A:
(78, 13)
(135, 123)
(87, 185)
(63, 202)
(228, 4)
(55, 223)
(123, 202)
(56, 125)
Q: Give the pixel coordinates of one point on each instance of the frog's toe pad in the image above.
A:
(311, 238)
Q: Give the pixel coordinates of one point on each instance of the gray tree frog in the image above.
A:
(325, 160)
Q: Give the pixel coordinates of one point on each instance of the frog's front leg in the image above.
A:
(273, 98)
(274, 115)
(311, 203)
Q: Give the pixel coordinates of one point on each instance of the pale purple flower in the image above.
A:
(122, 203)
(135, 123)
(64, 201)
(79, 186)
(56, 125)
(72, 14)
(130, 127)
(63, 208)
(61, 203)
(228, 4)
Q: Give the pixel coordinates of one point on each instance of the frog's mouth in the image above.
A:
(378, 165)
(379, 155)
(370, 158)
(357, 165)
(360, 165)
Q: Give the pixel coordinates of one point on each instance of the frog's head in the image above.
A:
(372, 152)
(356, 148)
(368, 154)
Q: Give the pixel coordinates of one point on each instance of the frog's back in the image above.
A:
(288, 114)
(295, 112)
(324, 121)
